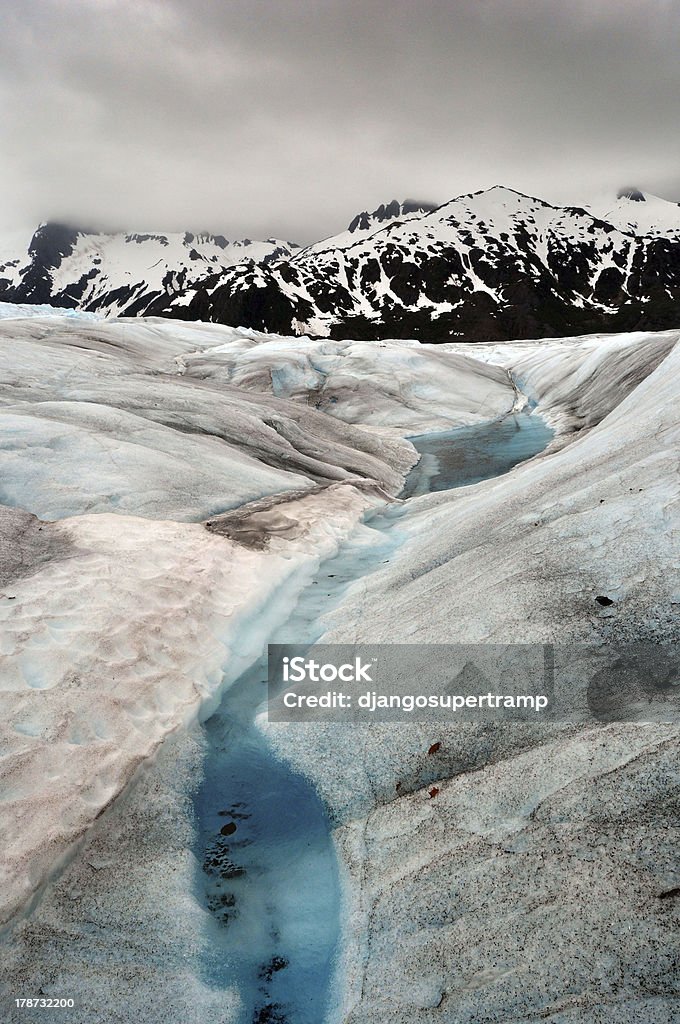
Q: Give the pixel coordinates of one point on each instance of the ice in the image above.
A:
(544, 843)
(100, 417)
(613, 465)
(120, 624)
(17, 310)
(119, 637)
(399, 385)
(121, 928)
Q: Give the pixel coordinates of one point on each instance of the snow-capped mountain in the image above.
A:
(490, 265)
(640, 213)
(366, 223)
(120, 272)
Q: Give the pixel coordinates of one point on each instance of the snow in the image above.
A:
(488, 231)
(652, 216)
(125, 260)
(13, 245)
(149, 263)
(498, 222)
(345, 239)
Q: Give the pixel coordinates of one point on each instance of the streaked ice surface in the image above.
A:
(268, 867)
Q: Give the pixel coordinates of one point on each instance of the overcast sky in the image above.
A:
(286, 117)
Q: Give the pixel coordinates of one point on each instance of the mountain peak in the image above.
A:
(52, 241)
(491, 264)
(633, 193)
(390, 211)
(639, 213)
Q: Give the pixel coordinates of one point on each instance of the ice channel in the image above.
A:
(268, 870)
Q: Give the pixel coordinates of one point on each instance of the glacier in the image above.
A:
(131, 605)
(123, 453)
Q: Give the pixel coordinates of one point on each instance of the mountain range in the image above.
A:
(491, 265)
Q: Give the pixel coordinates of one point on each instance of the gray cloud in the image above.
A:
(286, 117)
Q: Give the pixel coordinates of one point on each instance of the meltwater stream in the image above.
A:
(269, 874)
(468, 455)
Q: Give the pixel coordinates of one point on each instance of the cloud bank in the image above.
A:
(286, 117)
